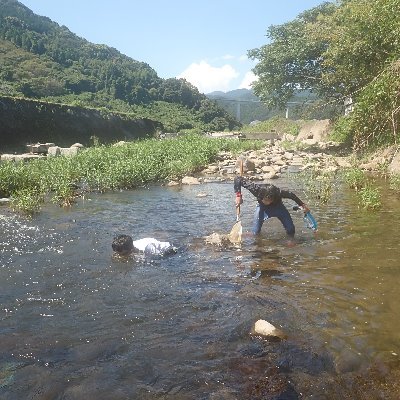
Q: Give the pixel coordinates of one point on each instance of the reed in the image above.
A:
(318, 184)
(104, 168)
(369, 196)
(355, 178)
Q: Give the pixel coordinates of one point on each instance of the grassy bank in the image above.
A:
(105, 168)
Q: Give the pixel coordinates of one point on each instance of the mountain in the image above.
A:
(42, 60)
(237, 94)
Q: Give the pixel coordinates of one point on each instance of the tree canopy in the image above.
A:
(348, 48)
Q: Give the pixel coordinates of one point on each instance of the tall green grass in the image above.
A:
(369, 196)
(105, 168)
(319, 186)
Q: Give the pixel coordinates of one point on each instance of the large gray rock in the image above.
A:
(39, 148)
(7, 157)
(54, 151)
(69, 151)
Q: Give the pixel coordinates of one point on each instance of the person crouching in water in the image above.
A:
(124, 245)
(269, 205)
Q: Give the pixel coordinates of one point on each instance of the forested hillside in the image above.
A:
(41, 60)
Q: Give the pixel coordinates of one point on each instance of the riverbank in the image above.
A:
(320, 165)
(191, 159)
(310, 148)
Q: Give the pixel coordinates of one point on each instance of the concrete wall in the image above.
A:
(28, 121)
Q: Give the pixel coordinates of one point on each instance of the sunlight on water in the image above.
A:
(77, 322)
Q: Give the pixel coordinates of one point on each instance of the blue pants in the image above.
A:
(279, 211)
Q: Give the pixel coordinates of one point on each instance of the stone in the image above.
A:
(39, 149)
(217, 239)
(213, 168)
(190, 180)
(247, 164)
(69, 151)
(53, 151)
(7, 157)
(173, 183)
(264, 328)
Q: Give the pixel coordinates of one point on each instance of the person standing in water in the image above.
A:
(269, 205)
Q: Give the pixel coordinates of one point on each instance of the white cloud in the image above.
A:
(208, 78)
(248, 79)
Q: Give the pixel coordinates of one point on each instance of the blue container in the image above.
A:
(310, 221)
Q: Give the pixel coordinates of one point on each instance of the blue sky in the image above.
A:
(204, 41)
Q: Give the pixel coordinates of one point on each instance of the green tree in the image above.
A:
(362, 36)
(345, 49)
(291, 62)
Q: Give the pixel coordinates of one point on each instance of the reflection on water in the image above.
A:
(76, 323)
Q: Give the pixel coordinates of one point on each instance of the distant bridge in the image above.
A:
(239, 102)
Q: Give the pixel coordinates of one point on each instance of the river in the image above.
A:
(78, 323)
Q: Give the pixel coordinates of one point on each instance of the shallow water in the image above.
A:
(77, 323)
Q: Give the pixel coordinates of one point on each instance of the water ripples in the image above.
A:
(180, 326)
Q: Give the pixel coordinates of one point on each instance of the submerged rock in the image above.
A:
(218, 239)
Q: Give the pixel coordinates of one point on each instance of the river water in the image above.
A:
(78, 323)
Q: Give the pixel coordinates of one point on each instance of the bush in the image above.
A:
(342, 131)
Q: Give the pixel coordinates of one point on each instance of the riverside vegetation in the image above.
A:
(104, 168)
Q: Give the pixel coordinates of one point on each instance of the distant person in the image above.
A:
(269, 205)
(124, 245)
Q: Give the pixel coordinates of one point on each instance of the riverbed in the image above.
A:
(78, 323)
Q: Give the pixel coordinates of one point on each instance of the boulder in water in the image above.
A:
(264, 328)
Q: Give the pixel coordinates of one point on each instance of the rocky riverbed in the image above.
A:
(270, 162)
(294, 154)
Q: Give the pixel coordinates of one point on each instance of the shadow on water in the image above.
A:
(76, 322)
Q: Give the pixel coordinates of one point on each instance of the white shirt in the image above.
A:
(152, 246)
